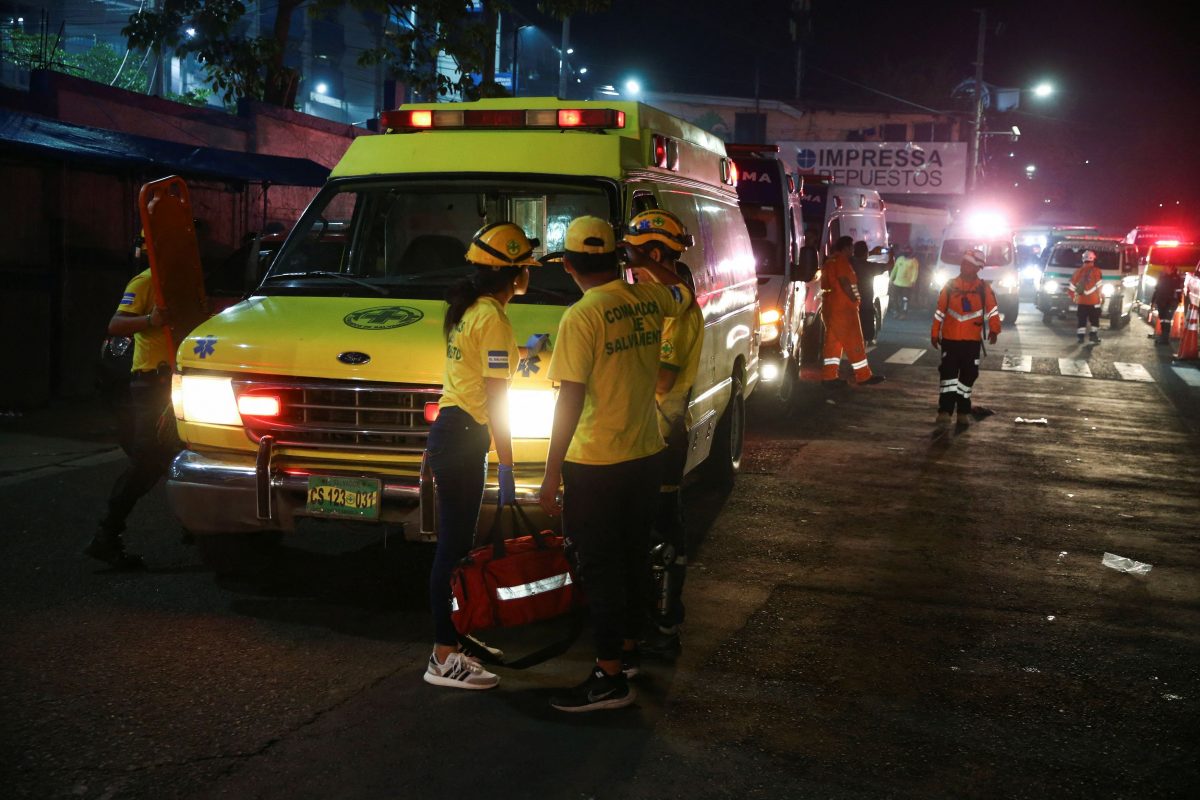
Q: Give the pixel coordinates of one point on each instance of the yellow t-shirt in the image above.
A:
(610, 341)
(150, 347)
(682, 339)
(482, 345)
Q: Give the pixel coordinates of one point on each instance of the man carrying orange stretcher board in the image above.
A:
(840, 300)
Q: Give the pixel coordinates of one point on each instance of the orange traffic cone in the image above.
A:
(1177, 322)
(1188, 346)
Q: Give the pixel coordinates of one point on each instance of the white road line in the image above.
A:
(1189, 375)
(1018, 363)
(906, 355)
(1074, 367)
(1133, 372)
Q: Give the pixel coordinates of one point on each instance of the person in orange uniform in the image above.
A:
(964, 305)
(1085, 289)
(840, 300)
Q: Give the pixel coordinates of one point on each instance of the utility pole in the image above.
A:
(976, 133)
(562, 57)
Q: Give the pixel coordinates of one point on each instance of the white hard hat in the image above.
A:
(974, 257)
(1088, 255)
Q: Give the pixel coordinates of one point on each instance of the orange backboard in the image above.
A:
(178, 277)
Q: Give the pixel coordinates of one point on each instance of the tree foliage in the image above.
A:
(100, 63)
(235, 64)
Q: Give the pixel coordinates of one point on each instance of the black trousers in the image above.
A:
(1086, 316)
(457, 450)
(668, 526)
(607, 513)
(1166, 314)
(149, 396)
(958, 370)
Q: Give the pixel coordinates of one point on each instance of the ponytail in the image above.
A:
(463, 294)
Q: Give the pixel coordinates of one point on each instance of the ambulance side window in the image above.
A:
(684, 206)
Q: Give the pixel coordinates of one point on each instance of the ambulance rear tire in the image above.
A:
(725, 458)
(788, 378)
(239, 554)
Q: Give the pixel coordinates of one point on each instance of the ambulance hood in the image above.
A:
(340, 338)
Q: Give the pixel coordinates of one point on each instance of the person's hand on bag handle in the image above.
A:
(548, 496)
(508, 485)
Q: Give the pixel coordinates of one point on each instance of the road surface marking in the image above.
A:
(1018, 363)
(1074, 367)
(906, 355)
(1133, 372)
(1188, 375)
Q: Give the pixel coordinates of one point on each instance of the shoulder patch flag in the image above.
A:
(128, 298)
(677, 293)
(497, 359)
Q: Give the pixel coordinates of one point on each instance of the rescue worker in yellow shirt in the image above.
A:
(138, 316)
(481, 358)
(661, 237)
(840, 299)
(966, 307)
(904, 275)
(1084, 288)
(605, 446)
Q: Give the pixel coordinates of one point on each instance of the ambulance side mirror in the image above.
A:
(808, 266)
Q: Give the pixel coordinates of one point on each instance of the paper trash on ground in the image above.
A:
(1122, 564)
(1038, 421)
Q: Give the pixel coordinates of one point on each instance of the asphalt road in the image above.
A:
(872, 612)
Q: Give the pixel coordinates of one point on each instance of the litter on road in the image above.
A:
(1038, 421)
(1122, 564)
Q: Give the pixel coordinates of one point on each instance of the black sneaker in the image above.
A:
(661, 643)
(599, 692)
(111, 550)
(631, 663)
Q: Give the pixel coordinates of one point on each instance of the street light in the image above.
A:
(632, 87)
(1043, 90)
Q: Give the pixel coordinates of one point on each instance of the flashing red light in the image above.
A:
(590, 118)
(431, 412)
(570, 118)
(660, 151)
(259, 405)
(420, 119)
(1167, 243)
(733, 174)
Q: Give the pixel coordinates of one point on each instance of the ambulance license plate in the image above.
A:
(357, 498)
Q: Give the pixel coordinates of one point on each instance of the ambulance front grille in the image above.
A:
(338, 415)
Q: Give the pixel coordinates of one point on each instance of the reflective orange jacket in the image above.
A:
(833, 295)
(1085, 285)
(962, 307)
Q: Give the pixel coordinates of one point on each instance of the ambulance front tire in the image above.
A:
(789, 377)
(239, 554)
(1116, 317)
(1009, 311)
(725, 458)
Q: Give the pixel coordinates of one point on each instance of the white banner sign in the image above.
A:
(887, 167)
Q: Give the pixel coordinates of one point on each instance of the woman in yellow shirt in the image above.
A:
(481, 357)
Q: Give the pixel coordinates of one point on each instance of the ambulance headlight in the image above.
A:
(770, 372)
(940, 276)
(206, 399)
(768, 325)
(1107, 290)
(1008, 282)
(1150, 281)
(1129, 281)
(531, 413)
(1050, 287)
(1030, 272)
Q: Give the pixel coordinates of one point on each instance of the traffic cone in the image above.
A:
(1177, 322)
(1188, 346)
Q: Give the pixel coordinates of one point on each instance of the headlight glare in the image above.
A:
(209, 400)
(531, 413)
(1050, 287)
(1107, 290)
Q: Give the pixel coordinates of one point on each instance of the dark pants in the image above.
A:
(866, 316)
(900, 300)
(668, 527)
(607, 513)
(1085, 316)
(959, 369)
(457, 451)
(149, 396)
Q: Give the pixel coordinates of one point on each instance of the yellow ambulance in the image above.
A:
(314, 396)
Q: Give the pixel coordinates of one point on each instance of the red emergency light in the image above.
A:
(431, 412)
(1167, 243)
(406, 120)
(259, 405)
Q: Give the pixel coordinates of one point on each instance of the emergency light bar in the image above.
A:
(404, 120)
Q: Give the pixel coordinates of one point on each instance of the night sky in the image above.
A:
(1126, 76)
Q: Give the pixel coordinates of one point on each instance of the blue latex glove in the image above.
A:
(508, 485)
(536, 343)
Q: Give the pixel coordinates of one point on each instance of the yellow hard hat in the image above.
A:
(501, 244)
(590, 235)
(657, 225)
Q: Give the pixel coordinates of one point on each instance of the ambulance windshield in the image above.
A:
(409, 239)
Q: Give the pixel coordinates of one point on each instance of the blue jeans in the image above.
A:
(457, 451)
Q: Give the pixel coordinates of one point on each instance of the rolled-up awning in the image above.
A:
(59, 140)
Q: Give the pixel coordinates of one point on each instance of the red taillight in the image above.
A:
(431, 412)
(259, 405)
(660, 151)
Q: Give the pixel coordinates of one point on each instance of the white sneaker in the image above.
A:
(460, 671)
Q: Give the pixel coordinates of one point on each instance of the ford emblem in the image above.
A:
(354, 358)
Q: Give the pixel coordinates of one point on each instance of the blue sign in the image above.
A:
(806, 159)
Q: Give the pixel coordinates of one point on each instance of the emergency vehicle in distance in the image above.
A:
(832, 210)
(314, 396)
(989, 233)
(789, 288)
(1118, 263)
(1183, 257)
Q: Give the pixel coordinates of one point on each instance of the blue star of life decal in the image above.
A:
(528, 366)
(205, 346)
